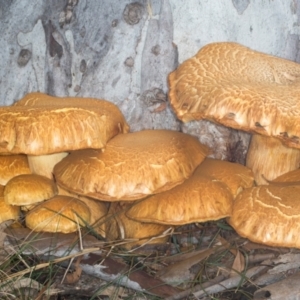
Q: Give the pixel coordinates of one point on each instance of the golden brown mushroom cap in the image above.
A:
(97, 208)
(29, 189)
(11, 166)
(289, 177)
(236, 176)
(132, 166)
(7, 211)
(64, 124)
(240, 88)
(268, 215)
(119, 227)
(59, 214)
(199, 199)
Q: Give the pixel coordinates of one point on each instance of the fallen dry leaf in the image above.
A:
(179, 272)
(75, 275)
(238, 265)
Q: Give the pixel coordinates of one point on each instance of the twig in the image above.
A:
(257, 258)
(196, 288)
(67, 269)
(229, 283)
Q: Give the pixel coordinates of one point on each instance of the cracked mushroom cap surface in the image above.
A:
(11, 166)
(29, 189)
(40, 124)
(240, 88)
(59, 214)
(268, 215)
(132, 166)
(236, 176)
(7, 211)
(199, 199)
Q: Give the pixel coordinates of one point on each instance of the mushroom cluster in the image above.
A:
(70, 162)
(237, 87)
(131, 167)
(86, 169)
(36, 133)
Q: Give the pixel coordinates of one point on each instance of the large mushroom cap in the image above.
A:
(29, 189)
(239, 88)
(114, 120)
(32, 127)
(269, 215)
(132, 166)
(59, 214)
(199, 199)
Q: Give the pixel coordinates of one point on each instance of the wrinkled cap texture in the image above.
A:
(199, 199)
(240, 88)
(132, 166)
(59, 214)
(11, 166)
(7, 211)
(268, 215)
(41, 124)
(236, 176)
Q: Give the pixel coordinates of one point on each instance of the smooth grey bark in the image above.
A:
(123, 51)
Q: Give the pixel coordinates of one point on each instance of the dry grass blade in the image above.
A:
(21, 283)
(45, 265)
(74, 276)
(168, 232)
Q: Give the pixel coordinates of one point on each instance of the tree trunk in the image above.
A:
(122, 51)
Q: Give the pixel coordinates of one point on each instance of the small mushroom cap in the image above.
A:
(236, 176)
(98, 210)
(199, 199)
(29, 189)
(240, 88)
(132, 166)
(268, 215)
(11, 166)
(7, 211)
(67, 124)
(119, 227)
(59, 214)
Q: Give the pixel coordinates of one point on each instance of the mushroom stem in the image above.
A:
(269, 158)
(44, 164)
